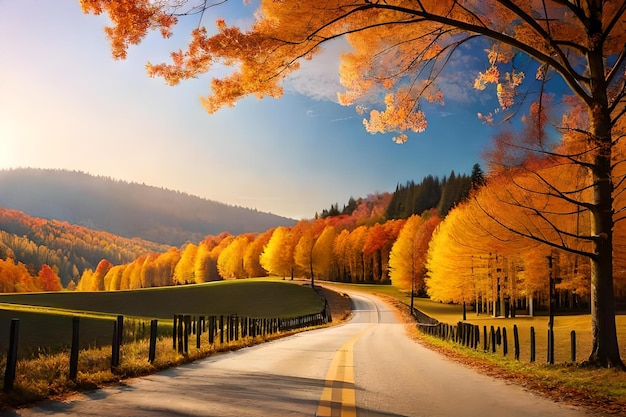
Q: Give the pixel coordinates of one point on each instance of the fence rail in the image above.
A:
(218, 330)
(492, 339)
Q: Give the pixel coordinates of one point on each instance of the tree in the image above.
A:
(97, 279)
(277, 257)
(402, 48)
(230, 262)
(184, 271)
(252, 257)
(477, 177)
(48, 279)
(322, 253)
(407, 260)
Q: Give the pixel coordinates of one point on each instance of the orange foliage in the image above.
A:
(14, 277)
(48, 279)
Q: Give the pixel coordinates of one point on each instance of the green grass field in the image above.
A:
(47, 325)
(253, 298)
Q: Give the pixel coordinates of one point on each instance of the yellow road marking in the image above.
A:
(339, 397)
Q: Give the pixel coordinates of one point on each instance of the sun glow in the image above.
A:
(8, 144)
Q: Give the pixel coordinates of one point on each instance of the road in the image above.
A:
(367, 367)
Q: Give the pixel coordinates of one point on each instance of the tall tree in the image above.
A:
(322, 253)
(184, 271)
(252, 257)
(277, 257)
(402, 48)
(230, 263)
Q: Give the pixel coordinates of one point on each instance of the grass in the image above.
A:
(252, 298)
(45, 318)
(45, 330)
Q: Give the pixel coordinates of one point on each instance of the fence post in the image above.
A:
(115, 347)
(516, 341)
(187, 331)
(153, 338)
(476, 337)
(532, 344)
(9, 374)
(221, 330)
(211, 329)
(120, 330)
(573, 343)
(179, 334)
(198, 334)
(493, 340)
(485, 338)
(505, 342)
(551, 346)
(174, 332)
(74, 348)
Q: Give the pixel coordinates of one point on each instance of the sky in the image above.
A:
(66, 104)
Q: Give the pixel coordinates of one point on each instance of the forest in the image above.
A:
(430, 237)
(93, 260)
(28, 244)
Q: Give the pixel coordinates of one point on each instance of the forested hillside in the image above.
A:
(68, 249)
(126, 209)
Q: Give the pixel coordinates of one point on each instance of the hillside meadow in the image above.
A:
(45, 318)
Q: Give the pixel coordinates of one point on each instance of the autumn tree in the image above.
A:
(48, 279)
(14, 277)
(401, 48)
(277, 257)
(340, 252)
(230, 263)
(184, 270)
(252, 257)
(97, 278)
(322, 254)
(202, 262)
(407, 260)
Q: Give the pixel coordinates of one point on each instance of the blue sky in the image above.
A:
(65, 103)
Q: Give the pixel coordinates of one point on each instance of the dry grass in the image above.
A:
(47, 375)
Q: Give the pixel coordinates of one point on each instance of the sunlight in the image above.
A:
(8, 141)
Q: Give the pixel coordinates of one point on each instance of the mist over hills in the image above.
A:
(126, 209)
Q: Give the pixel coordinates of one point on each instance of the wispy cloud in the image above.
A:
(319, 78)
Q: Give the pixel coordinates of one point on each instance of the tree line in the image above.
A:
(67, 249)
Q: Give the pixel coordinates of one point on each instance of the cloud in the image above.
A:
(319, 78)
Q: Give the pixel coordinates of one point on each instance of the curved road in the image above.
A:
(367, 367)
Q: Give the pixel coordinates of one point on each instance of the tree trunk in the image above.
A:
(605, 350)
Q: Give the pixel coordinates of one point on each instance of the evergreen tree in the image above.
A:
(478, 177)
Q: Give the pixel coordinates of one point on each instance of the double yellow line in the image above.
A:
(339, 395)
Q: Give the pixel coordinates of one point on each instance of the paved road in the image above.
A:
(367, 367)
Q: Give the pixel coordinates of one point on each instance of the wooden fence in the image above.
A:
(490, 339)
(219, 330)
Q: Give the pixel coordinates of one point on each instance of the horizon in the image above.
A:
(67, 104)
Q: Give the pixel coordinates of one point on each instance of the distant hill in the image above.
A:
(126, 209)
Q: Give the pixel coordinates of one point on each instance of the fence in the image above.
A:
(490, 340)
(219, 330)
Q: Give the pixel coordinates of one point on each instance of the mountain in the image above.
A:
(126, 209)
